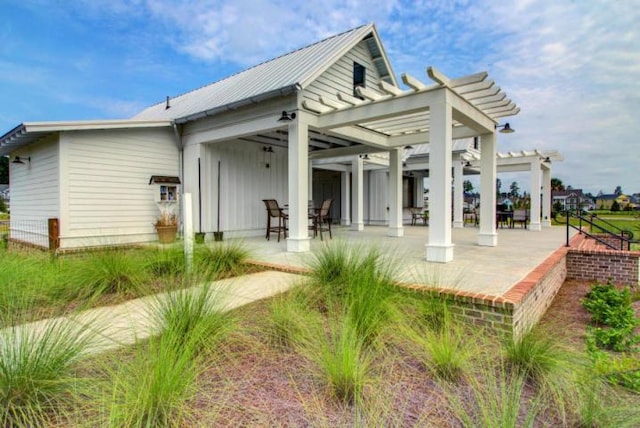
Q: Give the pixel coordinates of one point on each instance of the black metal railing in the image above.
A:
(606, 231)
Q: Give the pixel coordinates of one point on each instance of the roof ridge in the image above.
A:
(261, 63)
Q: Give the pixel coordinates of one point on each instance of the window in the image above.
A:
(359, 75)
(168, 193)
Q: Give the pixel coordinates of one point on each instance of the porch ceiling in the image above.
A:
(477, 103)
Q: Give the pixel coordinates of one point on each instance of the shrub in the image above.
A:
(611, 308)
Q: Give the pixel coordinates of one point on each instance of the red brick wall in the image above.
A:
(620, 267)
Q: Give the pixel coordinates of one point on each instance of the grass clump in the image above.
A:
(154, 388)
(496, 399)
(440, 342)
(101, 273)
(537, 355)
(341, 357)
(165, 262)
(37, 378)
(222, 258)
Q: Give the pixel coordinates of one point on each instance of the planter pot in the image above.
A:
(167, 234)
(200, 237)
(217, 236)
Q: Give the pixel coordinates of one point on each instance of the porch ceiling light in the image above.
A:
(20, 161)
(287, 117)
(505, 129)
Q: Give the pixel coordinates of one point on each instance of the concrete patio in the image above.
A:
(487, 270)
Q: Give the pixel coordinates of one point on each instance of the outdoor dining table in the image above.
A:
(504, 217)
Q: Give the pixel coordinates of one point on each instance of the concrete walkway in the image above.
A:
(111, 327)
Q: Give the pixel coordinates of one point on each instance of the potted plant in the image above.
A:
(167, 223)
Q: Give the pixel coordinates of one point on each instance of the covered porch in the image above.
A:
(476, 269)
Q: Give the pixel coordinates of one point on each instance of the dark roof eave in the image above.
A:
(281, 92)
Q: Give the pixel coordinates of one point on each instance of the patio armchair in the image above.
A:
(520, 216)
(275, 212)
(417, 213)
(322, 219)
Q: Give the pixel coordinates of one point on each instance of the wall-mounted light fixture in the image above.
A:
(20, 161)
(505, 129)
(287, 117)
(268, 150)
(468, 164)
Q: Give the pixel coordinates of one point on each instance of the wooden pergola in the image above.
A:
(424, 114)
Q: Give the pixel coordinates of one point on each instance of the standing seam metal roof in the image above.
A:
(280, 75)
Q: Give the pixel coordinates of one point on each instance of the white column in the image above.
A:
(458, 194)
(487, 235)
(439, 246)
(357, 194)
(418, 190)
(188, 231)
(310, 179)
(298, 175)
(345, 199)
(395, 193)
(536, 174)
(546, 196)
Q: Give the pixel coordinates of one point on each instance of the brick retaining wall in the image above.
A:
(620, 267)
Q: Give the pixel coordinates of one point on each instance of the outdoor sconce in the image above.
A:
(468, 164)
(505, 129)
(287, 117)
(20, 161)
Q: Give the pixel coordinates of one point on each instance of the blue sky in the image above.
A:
(572, 66)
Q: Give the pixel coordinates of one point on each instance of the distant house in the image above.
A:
(572, 199)
(604, 202)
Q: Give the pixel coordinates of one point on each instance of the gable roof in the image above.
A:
(283, 75)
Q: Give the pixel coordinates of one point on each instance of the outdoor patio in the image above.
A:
(475, 269)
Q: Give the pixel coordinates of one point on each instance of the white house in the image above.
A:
(341, 99)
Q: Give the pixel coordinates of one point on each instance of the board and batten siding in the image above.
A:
(245, 181)
(35, 194)
(107, 199)
(339, 77)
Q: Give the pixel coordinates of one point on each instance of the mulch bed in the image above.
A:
(258, 385)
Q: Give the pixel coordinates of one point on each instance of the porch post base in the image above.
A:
(345, 222)
(298, 245)
(439, 253)
(357, 226)
(536, 227)
(458, 224)
(487, 239)
(395, 231)
(546, 223)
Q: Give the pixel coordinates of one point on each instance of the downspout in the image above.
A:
(177, 132)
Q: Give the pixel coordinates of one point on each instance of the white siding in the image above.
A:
(105, 189)
(339, 77)
(244, 182)
(34, 192)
